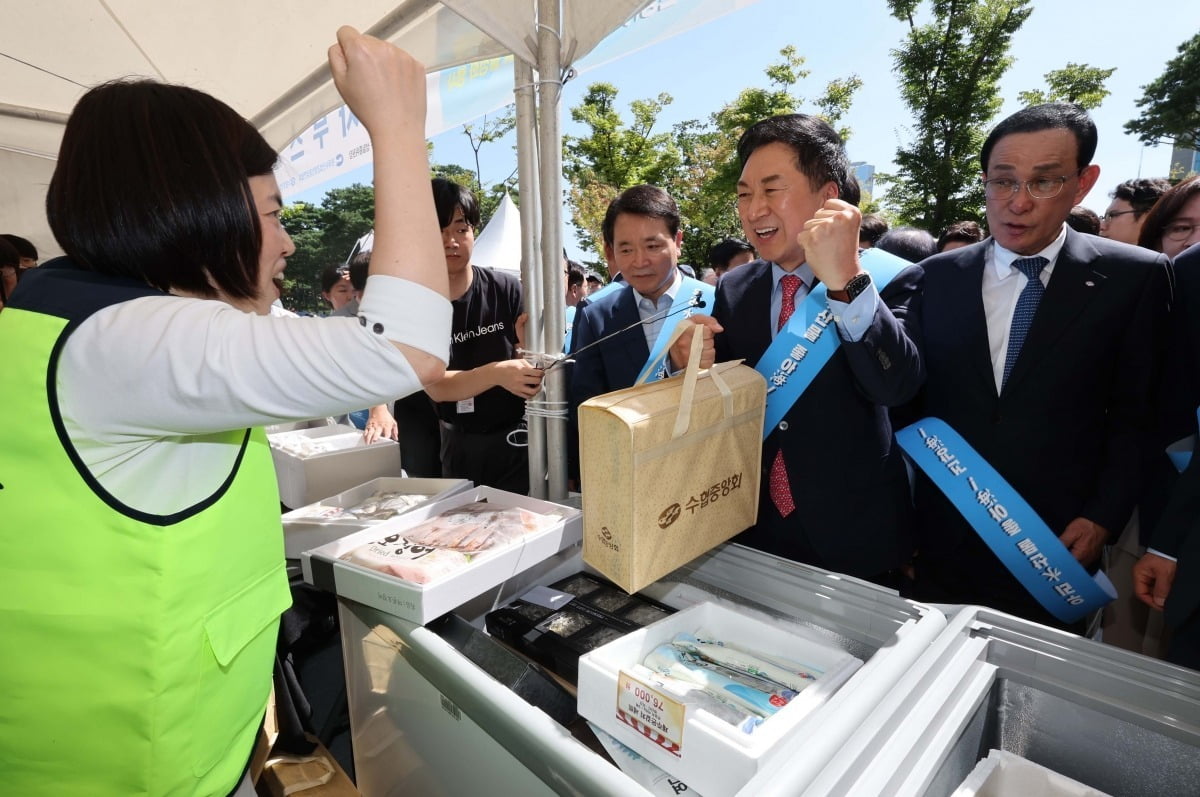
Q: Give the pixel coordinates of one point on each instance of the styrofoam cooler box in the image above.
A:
(309, 527)
(1115, 721)
(323, 567)
(705, 751)
(346, 462)
(419, 708)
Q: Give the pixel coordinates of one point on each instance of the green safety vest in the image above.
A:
(137, 649)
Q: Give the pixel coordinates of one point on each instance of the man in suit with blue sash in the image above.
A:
(1041, 347)
(834, 491)
(641, 241)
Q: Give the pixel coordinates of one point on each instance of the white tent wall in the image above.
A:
(498, 244)
(267, 61)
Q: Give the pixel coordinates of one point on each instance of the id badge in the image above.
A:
(465, 406)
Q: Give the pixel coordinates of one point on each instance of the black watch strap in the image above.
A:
(857, 284)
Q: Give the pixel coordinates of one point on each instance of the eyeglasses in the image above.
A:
(1179, 230)
(1041, 188)
(1112, 214)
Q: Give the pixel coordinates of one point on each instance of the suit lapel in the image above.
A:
(633, 341)
(1073, 283)
(758, 305)
(970, 318)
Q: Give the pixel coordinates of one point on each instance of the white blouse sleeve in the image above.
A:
(167, 366)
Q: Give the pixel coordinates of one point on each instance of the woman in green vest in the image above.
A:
(142, 577)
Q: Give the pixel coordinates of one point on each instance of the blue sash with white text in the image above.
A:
(691, 296)
(1005, 522)
(802, 348)
(1180, 453)
(615, 285)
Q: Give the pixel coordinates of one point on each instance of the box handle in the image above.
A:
(683, 418)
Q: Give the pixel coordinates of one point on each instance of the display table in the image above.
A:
(426, 720)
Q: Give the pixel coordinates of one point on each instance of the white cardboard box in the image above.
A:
(1004, 774)
(420, 603)
(305, 480)
(304, 529)
(701, 749)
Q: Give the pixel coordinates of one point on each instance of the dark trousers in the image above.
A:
(420, 436)
(486, 458)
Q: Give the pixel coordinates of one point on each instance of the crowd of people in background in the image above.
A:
(1071, 422)
(1057, 347)
(1063, 346)
(1100, 382)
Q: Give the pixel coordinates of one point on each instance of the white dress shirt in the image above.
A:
(1002, 285)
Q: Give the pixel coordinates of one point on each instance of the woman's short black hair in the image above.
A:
(152, 183)
(331, 275)
(448, 195)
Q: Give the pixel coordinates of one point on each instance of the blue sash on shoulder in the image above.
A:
(1180, 453)
(569, 323)
(1002, 518)
(802, 348)
(615, 285)
(684, 306)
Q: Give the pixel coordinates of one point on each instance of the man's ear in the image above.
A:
(1087, 179)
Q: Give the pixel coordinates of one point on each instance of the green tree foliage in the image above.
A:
(706, 184)
(949, 71)
(695, 162)
(1077, 83)
(612, 157)
(1171, 103)
(489, 130)
(325, 234)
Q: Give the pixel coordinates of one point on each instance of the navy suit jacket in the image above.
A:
(1069, 430)
(612, 365)
(853, 512)
(616, 363)
(1178, 533)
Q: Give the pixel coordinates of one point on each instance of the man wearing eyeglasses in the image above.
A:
(1131, 200)
(1048, 382)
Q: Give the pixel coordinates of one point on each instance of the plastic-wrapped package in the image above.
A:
(478, 526)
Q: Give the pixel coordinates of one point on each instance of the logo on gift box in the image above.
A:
(606, 539)
(669, 515)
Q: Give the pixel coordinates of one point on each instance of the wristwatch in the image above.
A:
(857, 284)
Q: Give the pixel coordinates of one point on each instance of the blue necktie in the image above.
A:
(1027, 304)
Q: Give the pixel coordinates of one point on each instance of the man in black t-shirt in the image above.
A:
(481, 401)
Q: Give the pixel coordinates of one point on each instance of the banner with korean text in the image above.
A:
(1006, 522)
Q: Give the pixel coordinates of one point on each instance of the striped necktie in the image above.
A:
(1027, 304)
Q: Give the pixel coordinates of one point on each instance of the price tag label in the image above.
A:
(651, 713)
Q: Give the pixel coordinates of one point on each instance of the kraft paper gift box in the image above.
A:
(670, 469)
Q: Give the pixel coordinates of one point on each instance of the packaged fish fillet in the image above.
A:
(478, 526)
(405, 559)
(670, 660)
(744, 661)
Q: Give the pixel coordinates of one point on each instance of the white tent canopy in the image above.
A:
(266, 59)
(499, 244)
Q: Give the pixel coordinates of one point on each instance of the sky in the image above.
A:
(705, 68)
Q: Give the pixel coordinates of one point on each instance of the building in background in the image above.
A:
(1184, 162)
(865, 174)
